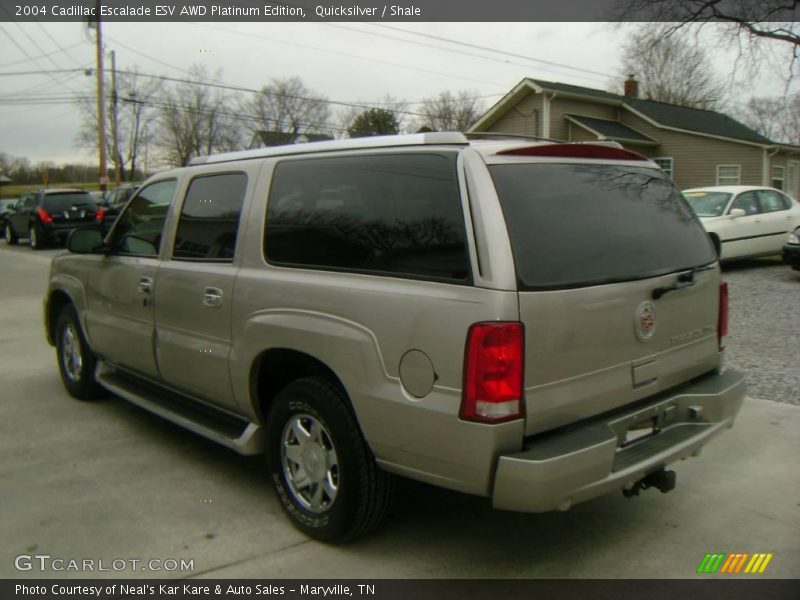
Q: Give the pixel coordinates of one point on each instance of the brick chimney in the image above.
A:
(631, 87)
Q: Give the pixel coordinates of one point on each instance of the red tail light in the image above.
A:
(493, 371)
(100, 214)
(46, 218)
(575, 151)
(722, 323)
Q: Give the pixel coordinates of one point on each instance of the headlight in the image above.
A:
(793, 239)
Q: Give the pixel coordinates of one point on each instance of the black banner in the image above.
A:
(397, 10)
(393, 589)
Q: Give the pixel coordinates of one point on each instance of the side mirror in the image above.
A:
(737, 212)
(86, 241)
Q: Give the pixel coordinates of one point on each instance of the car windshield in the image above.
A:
(59, 202)
(575, 225)
(708, 204)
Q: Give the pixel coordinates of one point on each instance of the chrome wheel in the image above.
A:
(32, 237)
(7, 232)
(309, 462)
(71, 353)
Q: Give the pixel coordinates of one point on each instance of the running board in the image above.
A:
(217, 425)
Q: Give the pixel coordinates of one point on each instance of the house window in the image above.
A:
(729, 174)
(778, 177)
(665, 163)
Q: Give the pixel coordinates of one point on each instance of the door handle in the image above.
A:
(146, 285)
(212, 297)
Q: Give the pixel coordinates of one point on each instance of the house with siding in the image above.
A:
(696, 147)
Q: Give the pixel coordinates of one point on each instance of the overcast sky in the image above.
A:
(344, 61)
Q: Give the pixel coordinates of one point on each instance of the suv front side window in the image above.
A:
(139, 229)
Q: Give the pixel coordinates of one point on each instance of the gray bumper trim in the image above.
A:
(559, 470)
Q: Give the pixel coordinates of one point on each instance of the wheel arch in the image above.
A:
(64, 291)
(274, 368)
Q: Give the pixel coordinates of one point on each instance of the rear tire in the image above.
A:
(323, 472)
(76, 361)
(9, 235)
(35, 238)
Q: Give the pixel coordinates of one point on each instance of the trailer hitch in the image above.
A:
(662, 480)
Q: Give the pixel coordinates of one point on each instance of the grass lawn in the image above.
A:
(15, 191)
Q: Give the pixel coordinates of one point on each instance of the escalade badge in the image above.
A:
(645, 322)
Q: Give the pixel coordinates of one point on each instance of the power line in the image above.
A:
(24, 60)
(488, 49)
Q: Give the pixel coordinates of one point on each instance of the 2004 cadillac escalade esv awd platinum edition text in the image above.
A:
(535, 322)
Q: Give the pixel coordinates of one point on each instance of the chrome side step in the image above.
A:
(217, 425)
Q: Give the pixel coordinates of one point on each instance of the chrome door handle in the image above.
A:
(212, 297)
(146, 285)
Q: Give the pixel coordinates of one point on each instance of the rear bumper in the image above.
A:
(791, 255)
(558, 470)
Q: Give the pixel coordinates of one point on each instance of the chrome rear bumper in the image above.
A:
(557, 470)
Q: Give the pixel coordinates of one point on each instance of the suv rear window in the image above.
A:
(59, 202)
(575, 225)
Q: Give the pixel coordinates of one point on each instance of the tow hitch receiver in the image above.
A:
(662, 480)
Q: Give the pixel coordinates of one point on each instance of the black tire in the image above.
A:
(9, 235)
(363, 491)
(35, 237)
(71, 348)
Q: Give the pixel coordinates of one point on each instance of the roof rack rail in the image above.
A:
(381, 141)
(514, 136)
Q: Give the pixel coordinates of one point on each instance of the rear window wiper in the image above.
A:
(685, 279)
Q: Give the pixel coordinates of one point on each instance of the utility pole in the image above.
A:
(101, 106)
(114, 124)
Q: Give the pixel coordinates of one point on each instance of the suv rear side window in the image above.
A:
(396, 215)
(209, 220)
(574, 225)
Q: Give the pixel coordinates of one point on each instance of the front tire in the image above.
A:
(9, 235)
(323, 472)
(76, 362)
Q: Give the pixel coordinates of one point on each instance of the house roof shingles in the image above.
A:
(613, 130)
(669, 115)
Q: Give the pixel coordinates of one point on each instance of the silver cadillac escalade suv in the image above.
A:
(532, 321)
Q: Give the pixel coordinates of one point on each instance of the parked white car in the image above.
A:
(745, 220)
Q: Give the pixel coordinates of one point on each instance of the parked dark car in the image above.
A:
(791, 250)
(48, 216)
(6, 206)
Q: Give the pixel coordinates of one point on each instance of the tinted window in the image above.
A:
(58, 202)
(392, 214)
(210, 217)
(574, 225)
(138, 230)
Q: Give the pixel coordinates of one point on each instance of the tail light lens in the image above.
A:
(100, 214)
(46, 218)
(722, 323)
(493, 372)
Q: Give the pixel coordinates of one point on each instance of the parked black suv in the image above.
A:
(47, 216)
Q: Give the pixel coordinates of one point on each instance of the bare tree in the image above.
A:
(758, 28)
(136, 119)
(197, 119)
(671, 69)
(449, 112)
(777, 118)
(287, 106)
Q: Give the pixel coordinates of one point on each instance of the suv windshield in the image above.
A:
(708, 204)
(59, 202)
(574, 225)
